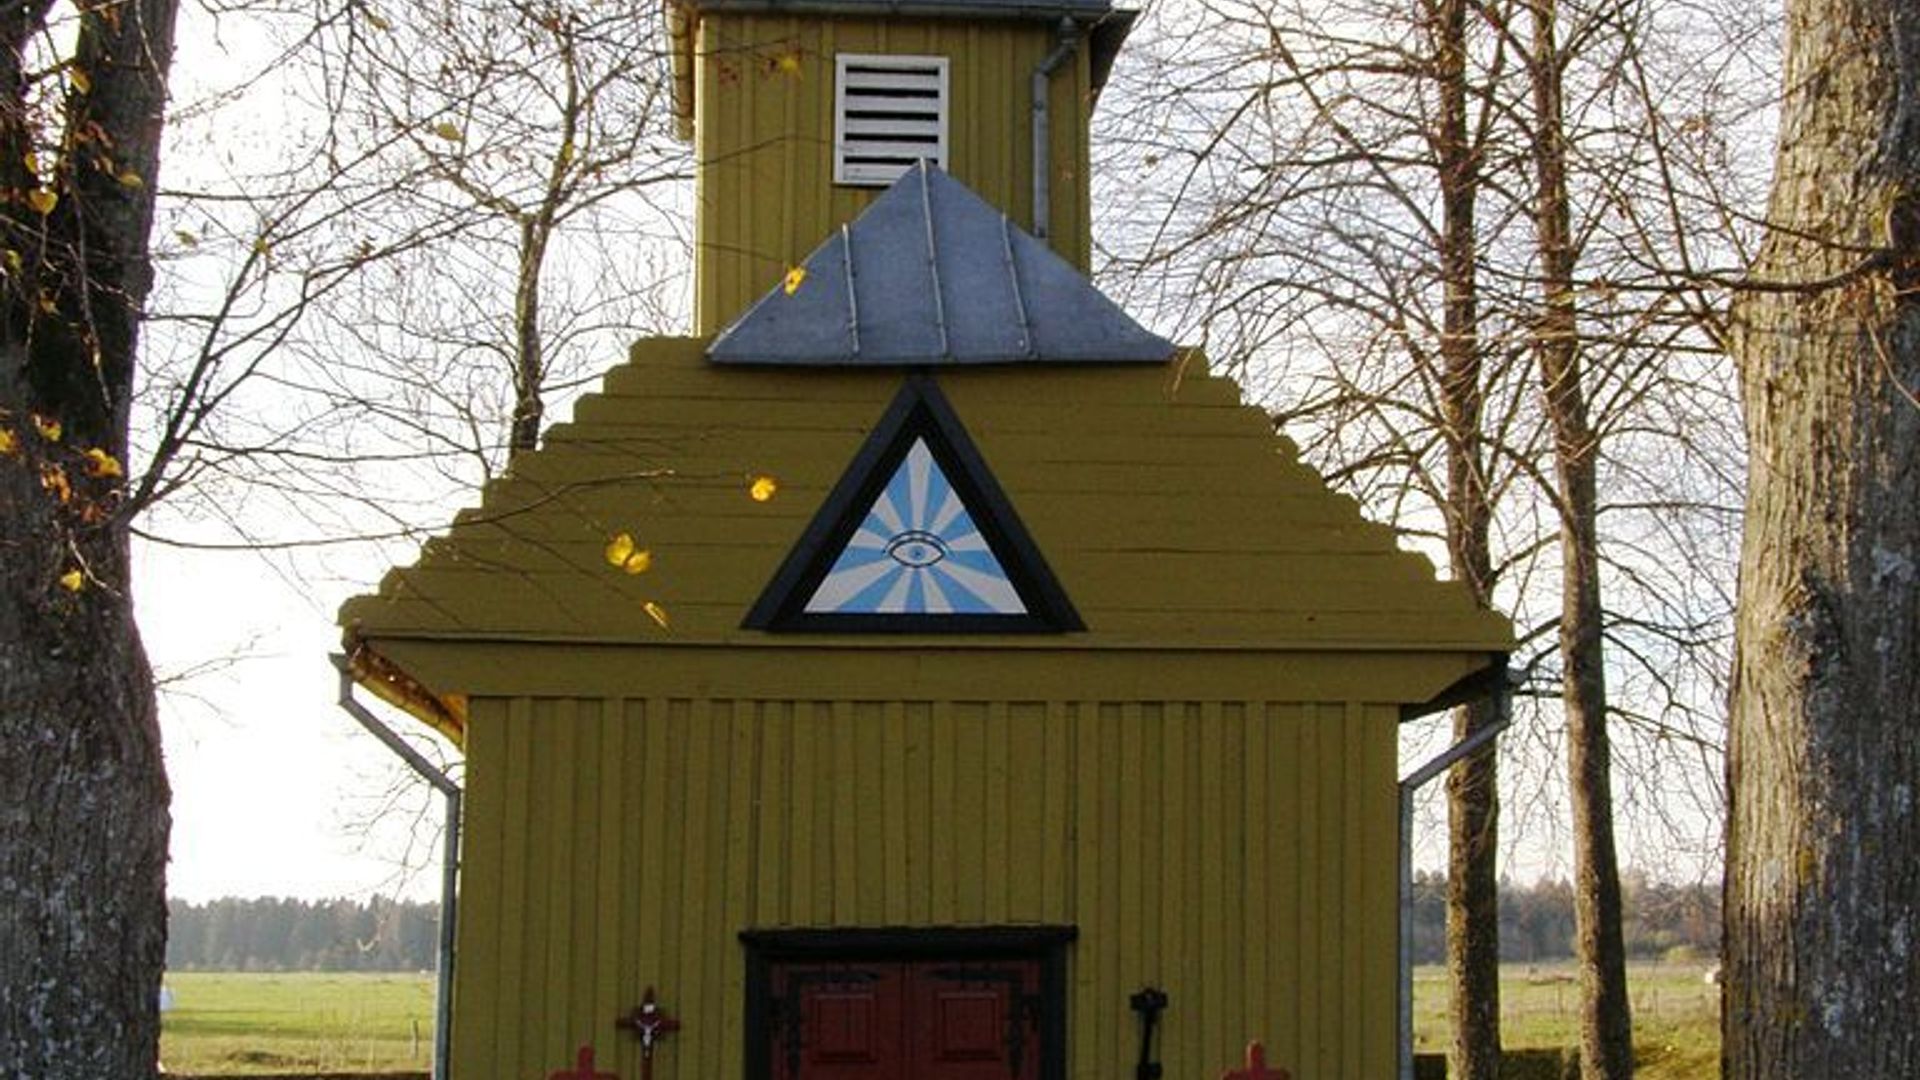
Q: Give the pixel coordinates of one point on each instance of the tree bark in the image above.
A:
(1606, 1027)
(83, 793)
(1473, 805)
(1823, 893)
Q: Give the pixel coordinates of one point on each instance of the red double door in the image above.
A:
(918, 1020)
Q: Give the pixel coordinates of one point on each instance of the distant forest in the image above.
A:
(1675, 922)
(269, 934)
(1663, 921)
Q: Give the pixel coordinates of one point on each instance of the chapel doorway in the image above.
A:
(923, 1010)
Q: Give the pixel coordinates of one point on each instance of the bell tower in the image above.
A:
(801, 112)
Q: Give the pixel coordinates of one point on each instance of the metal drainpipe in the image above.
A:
(449, 866)
(1418, 779)
(1068, 42)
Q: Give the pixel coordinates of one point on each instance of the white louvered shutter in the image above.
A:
(889, 112)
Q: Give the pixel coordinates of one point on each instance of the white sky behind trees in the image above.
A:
(276, 791)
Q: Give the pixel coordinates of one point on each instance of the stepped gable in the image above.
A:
(1169, 511)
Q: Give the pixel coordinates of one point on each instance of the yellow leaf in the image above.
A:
(788, 64)
(447, 130)
(14, 263)
(47, 426)
(657, 613)
(32, 161)
(378, 23)
(795, 277)
(624, 554)
(80, 80)
(42, 200)
(262, 246)
(53, 480)
(102, 464)
(73, 580)
(764, 489)
(130, 180)
(46, 303)
(9, 443)
(186, 238)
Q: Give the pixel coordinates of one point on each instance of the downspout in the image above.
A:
(449, 865)
(1502, 693)
(1068, 41)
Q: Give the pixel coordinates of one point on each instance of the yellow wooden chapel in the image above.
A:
(910, 671)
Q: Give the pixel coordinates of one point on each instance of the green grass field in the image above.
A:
(1676, 1015)
(233, 1024)
(304, 1022)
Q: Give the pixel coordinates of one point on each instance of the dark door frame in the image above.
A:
(1046, 945)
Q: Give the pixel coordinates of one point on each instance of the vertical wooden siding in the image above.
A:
(764, 139)
(1240, 856)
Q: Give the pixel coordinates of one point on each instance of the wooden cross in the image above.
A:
(649, 1021)
(1256, 1067)
(583, 1069)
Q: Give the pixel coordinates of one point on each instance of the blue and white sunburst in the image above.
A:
(917, 552)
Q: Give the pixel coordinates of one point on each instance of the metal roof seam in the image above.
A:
(1027, 348)
(853, 298)
(933, 265)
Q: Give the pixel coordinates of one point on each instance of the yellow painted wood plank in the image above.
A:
(775, 798)
(947, 821)
(1166, 840)
(976, 874)
(1093, 899)
(745, 860)
(1255, 890)
(482, 856)
(846, 817)
(995, 817)
(866, 733)
(725, 903)
(924, 854)
(1030, 848)
(897, 854)
(1058, 877)
(803, 856)
(1285, 876)
(608, 812)
(581, 950)
(1132, 847)
(1356, 856)
(681, 849)
(1218, 806)
(635, 954)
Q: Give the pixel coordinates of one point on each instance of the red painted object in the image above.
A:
(924, 1020)
(1256, 1068)
(583, 1069)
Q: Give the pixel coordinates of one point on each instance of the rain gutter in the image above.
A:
(1067, 42)
(1500, 689)
(449, 865)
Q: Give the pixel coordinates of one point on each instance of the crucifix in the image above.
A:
(649, 1021)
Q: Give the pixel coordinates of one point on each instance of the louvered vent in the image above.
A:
(889, 112)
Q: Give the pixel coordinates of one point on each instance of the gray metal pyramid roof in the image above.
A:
(931, 274)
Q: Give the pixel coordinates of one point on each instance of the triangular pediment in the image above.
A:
(931, 275)
(917, 536)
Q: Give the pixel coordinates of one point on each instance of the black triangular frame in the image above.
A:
(918, 411)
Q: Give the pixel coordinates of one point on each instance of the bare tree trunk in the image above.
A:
(1823, 891)
(1473, 804)
(1606, 1027)
(83, 793)
(529, 358)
